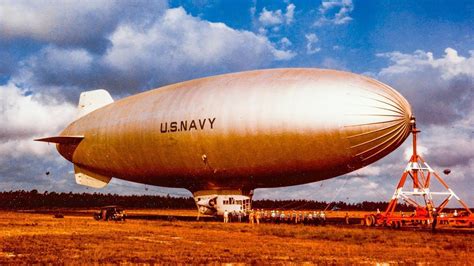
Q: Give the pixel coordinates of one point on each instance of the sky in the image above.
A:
(51, 51)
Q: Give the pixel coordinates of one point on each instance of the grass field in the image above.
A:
(39, 238)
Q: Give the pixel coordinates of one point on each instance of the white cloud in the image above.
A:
(285, 43)
(450, 65)
(333, 63)
(420, 150)
(367, 171)
(181, 44)
(454, 148)
(283, 55)
(58, 62)
(71, 22)
(268, 17)
(311, 40)
(439, 89)
(335, 12)
(176, 47)
(277, 17)
(262, 31)
(344, 188)
(25, 117)
(290, 13)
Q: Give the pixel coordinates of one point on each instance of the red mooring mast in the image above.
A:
(421, 175)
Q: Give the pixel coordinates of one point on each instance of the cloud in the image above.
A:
(343, 188)
(285, 43)
(367, 171)
(290, 13)
(179, 46)
(332, 63)
(450, 65)
(26, 116)
(268, 18)
(311, 40)
(283, 55)
(56, 66)
(439, 89)
(335, 12)
(277, 17)
(176, 47)
(73, 23)
(454, 148)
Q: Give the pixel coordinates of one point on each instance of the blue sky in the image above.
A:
(50, 51)
(376, 27)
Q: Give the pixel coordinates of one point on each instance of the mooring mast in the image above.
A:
(421, 175)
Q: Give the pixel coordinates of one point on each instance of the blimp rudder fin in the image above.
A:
(90, 179)
(92, 100)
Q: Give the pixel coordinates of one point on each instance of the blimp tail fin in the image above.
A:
(90, 179)
(92, 100)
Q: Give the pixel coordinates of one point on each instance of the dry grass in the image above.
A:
(39, 238)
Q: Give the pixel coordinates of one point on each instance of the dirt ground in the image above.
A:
(40, 238)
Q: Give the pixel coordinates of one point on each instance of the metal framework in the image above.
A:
(422, 177)
(421, 174)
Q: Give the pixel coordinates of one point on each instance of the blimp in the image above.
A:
(221, 137)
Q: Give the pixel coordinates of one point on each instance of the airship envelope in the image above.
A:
(229, 134)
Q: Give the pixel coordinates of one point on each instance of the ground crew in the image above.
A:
(282, 216)
(295, 217)
(257, 217)
(323, 217)
(251, 216)
(226, 216)
(435, 220)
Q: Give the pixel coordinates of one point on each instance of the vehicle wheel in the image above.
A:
(368, 220)
(393, 224)
(374, 220)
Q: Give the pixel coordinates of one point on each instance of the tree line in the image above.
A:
(33, 199)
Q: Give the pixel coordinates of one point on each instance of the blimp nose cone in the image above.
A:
(379, 121)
